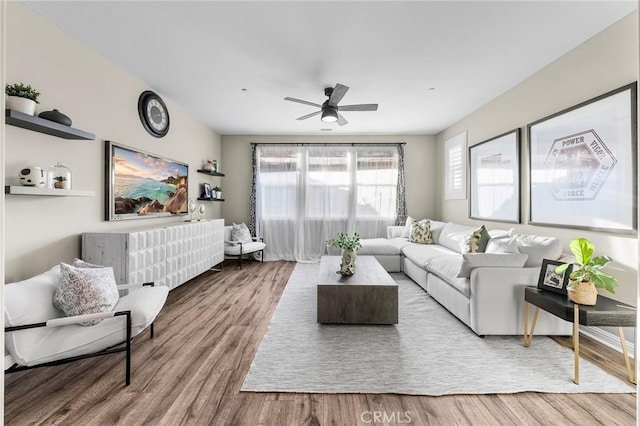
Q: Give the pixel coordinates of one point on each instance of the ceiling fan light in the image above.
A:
(329, 115)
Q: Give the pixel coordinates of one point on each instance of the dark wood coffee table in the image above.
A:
(606, 313)
(370, 296)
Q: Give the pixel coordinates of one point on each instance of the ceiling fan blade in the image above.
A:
(300, 101)
(338, 93)
(313, 114)
(360, 107)
(341, 120)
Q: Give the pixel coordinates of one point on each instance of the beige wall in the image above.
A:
(420, 160)
(102, 99)
(607, 61)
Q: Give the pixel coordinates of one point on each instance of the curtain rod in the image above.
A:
(331, 144)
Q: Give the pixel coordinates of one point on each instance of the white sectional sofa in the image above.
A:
(489, 295)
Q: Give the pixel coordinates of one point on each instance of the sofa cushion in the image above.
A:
(447, 268)
(382, 246)
(420, 232)
(85, 290)
(490, 260)
(538, 248)
(502, 245)
(453, 234)
(436, 229)
(422, 254)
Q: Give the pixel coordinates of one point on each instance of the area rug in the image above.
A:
(430, 352)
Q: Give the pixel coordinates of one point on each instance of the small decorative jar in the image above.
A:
(59, 177)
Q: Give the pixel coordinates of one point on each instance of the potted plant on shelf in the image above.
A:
(217, 192)
(587, 276)
(21, 98)
(60, 182)
(349, 245)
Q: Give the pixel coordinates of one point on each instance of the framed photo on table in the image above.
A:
(582, 165)
(549, 280)
(495, 178)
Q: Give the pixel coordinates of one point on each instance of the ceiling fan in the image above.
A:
(330, 109)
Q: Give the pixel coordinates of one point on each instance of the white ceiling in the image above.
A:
(202, 54)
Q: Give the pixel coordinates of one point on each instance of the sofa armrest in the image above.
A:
(135, 285)
(498, 293)
(75, 319)
(394, 231)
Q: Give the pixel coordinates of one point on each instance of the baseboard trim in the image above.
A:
(606, 338)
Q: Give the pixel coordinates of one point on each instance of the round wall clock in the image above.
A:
(153, 114)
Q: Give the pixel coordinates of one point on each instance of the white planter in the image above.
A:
(219, 194)
(24, 105)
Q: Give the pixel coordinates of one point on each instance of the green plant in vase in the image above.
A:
(587, 276)
(22, 91)
(350, 245)
(21, 97)
(60, 182)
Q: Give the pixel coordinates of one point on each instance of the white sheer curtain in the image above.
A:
(306, 194)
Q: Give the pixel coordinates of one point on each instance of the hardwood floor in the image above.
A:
(206, 337)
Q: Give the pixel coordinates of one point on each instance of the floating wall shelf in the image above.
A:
(32, 190)
(207, 172)
(37, 124)
(210, 199)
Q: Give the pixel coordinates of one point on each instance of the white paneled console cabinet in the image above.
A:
(168, 255)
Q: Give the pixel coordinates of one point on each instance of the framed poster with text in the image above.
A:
(582, 165)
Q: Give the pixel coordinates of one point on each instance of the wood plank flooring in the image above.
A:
(206, 337)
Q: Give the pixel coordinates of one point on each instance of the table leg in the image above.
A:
(576, 344)
(528, 333)
(630, 372)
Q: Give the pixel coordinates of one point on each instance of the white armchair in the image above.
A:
(38, 335)
(237, 249)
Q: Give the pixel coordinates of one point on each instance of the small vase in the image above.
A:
(348, 265)
(583, 293)
(56, 116)
(24, 105)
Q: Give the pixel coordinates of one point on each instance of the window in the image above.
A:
(305, 194)
(455, 167)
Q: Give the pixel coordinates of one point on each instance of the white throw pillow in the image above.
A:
(407, 228)
(490, 260)
(240, 233)
(79, 263)
(502, 245)
(85, 291)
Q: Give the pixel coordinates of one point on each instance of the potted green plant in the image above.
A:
(349, 245)
(217, 192)
(587, 276)
(21, 98)
(60, 182)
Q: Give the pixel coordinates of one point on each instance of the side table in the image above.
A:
(606, 313)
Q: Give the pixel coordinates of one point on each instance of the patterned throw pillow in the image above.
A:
(79, 263)
(85, 291)
(240, 233)
(476, 242)
(421, 232)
